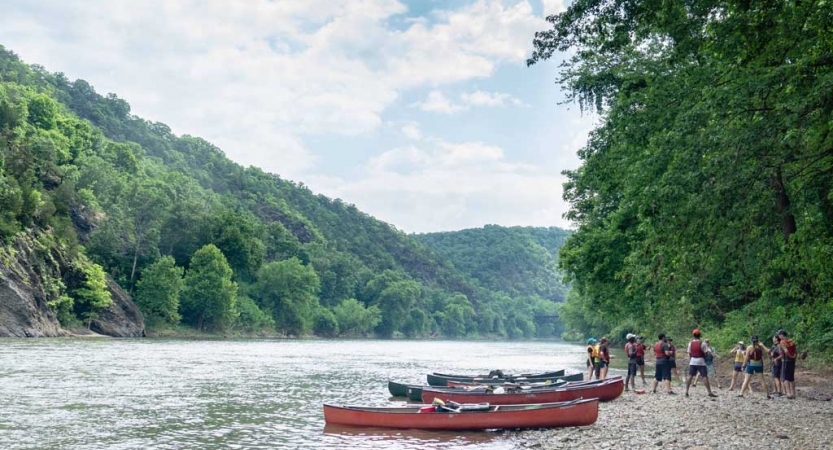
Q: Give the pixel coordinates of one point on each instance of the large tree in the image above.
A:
(210, 295)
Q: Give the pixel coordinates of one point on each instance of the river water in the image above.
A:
(213, 394)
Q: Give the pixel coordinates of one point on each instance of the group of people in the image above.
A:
(749, 360)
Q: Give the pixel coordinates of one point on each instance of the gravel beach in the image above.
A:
(699, 422)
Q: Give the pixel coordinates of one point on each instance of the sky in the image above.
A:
(422, 113)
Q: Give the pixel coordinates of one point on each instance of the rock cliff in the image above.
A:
(31, 269)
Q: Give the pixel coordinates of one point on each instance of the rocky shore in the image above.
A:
(636, 421)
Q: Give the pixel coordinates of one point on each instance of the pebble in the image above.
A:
(676, 422)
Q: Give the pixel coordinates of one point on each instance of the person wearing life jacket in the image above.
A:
(754, 364)
(602, 358)
(789, 353)
(697, 364)
(640, 358)
(591, 358)
(739, 350)
(630, 353)
(663, 370)
(775, 369)
(672, 361)
(711, 368)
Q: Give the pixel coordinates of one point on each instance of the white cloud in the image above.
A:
(437, 102)
(257, 77)
(480, 98)
(553, 7)
(411, 131)
(444, 186)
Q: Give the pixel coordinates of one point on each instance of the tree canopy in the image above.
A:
(705, 197)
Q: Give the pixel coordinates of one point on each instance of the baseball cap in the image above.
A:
(696, 331)
(630, 335)
(591, 340)
(741, 343)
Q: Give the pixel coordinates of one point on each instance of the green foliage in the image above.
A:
(518, 260)
(210, 296)
(704, 197)
(288, 288)
(63, 308)
(251, 318)
(157, 292)
(354, 319)
(325, 323)
(93, 296)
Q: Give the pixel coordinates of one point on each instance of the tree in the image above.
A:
(706, 190)
(289, 288)
(209, 297)
(458, 315)
(354, 319)
(157, 292)
(395, 300)
(93, 296)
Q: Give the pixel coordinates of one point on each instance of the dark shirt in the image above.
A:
(665, 348)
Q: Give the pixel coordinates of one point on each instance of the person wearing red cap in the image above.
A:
(697, 365)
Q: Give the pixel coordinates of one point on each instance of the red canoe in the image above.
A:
(565, 414)
(605, 391)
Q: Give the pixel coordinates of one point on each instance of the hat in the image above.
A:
(741, 343)
(639, 337)
(630, 335)
(670, 339)
(696, 331)
(591, 340)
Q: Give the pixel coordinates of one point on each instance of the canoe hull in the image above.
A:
(605, 391)
(581, 413)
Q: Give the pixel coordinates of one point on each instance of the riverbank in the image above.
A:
(699, 422)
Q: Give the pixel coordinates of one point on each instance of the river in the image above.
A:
(212, 394)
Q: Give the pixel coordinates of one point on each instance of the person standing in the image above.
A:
(711, 361)
(630, 352)
(603, 358)
(775, 357)
(754, 363)
(697, 351)
(789, 354)
(641, 348)
(591, 358)
(672, 361)
(663, 370)
(739, 350)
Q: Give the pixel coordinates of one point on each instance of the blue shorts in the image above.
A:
(750, 369)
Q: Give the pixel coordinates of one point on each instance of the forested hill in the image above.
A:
(519, 261)
(200, 240)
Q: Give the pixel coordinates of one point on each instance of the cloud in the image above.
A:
(259, 77)
(480, 98)
(439, 185)
(553, 7)
(411, 131)
(439, 103)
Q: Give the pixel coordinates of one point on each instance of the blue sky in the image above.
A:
(422, 113)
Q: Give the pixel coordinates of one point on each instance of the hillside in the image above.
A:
(200, 240)
(519, 261)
